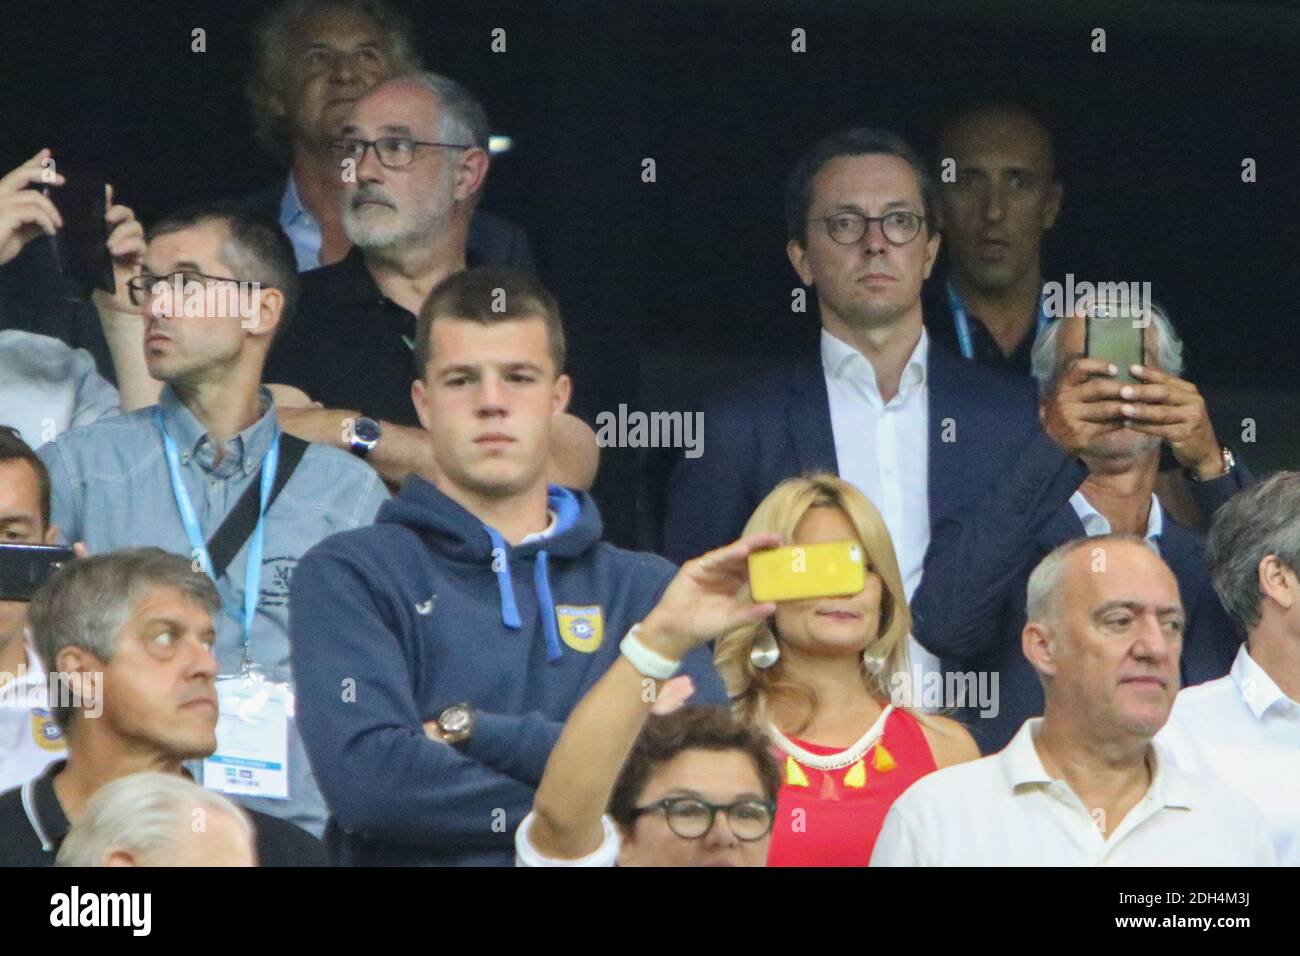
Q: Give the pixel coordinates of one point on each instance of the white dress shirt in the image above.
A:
(1095, 523)
(1005, 810)
(29, 738)
(1245, 732)
(883, 450)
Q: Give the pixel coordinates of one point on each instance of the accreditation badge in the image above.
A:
(582, 628)
(45, 731)
(252, 757)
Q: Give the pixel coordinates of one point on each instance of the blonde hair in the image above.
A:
(751, 689)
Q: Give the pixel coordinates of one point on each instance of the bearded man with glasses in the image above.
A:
(413, 159)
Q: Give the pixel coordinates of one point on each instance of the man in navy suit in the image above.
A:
(923, 433)
(313, 59)
(970, 607)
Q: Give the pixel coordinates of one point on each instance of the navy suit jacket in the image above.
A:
(970, 606)
(780, 426)
(493, 240)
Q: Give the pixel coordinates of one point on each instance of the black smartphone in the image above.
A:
(1115, 335)
(81, 246)
(25, 567)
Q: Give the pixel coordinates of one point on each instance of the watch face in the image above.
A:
(454, 720)
(365, 429)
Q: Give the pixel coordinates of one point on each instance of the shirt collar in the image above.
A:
(839, 360)
(244, 450)
(1259, 691)
(545, 532)
(291, 207)
(1095, 523)
(1022, 767)
(44, 812)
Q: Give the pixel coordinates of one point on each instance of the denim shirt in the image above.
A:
(110, 488)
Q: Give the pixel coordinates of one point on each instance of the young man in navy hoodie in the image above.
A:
(440, 651)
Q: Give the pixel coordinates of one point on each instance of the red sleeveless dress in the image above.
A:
(832, 817)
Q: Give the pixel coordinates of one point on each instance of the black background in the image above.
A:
(1151, 136)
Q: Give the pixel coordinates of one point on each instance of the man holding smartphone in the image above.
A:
(970, 607)
(29, 736)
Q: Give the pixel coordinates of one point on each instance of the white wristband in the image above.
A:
(648, 662)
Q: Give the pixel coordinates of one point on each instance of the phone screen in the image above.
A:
(81, 246)
(25, 567)
(1116, 337)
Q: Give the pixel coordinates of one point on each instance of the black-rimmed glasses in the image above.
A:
(691, 818)
(846, 227)
(394, 152)
(141, 287)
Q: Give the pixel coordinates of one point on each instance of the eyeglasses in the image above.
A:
(394, 152)
(691, 818)
(846, 228)
(141, 287)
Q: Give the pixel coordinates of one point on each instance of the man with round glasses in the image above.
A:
(924, 434)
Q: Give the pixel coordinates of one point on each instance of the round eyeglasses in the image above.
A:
(900, 227)
(691, 818)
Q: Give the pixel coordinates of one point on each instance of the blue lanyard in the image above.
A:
(253, 570)
(959, 319)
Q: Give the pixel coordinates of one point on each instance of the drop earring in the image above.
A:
(765, 652)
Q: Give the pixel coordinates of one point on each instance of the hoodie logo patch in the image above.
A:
(582, 628)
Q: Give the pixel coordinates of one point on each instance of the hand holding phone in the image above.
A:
(1116, 335)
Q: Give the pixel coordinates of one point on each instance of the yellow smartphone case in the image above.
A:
(797, 572)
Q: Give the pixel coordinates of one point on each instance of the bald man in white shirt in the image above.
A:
(1244, 729)
(1082, 785)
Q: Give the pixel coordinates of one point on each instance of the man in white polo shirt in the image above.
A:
(1082, 785)
(29, 737)
(1244, 729)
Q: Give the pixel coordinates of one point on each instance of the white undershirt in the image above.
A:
(883, 450)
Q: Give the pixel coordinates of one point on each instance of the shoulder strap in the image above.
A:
(234, 531)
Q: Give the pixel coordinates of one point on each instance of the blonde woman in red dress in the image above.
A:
(826, 679)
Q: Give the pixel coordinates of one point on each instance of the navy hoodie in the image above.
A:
(392, 623)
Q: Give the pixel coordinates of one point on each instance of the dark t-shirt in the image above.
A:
(348, 346)
(33, 827)
(943, 329)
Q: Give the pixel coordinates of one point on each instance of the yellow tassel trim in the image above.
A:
(857, 775)
(794, 775)
(882, 759)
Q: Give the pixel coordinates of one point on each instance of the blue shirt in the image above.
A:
(300, 226)
(110, 488)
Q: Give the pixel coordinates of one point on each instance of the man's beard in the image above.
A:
(402, 229)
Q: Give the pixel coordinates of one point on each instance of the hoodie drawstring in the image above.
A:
(547, 606)
(541, 581)
(501, 566)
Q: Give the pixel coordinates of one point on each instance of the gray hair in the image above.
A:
(1261, 520)
(1045, 589)
(1045, 361)
(461, 118)
(146, 814)
(86, 603)
(274, 40)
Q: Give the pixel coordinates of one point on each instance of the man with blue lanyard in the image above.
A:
(207, 472)
(998, 202)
